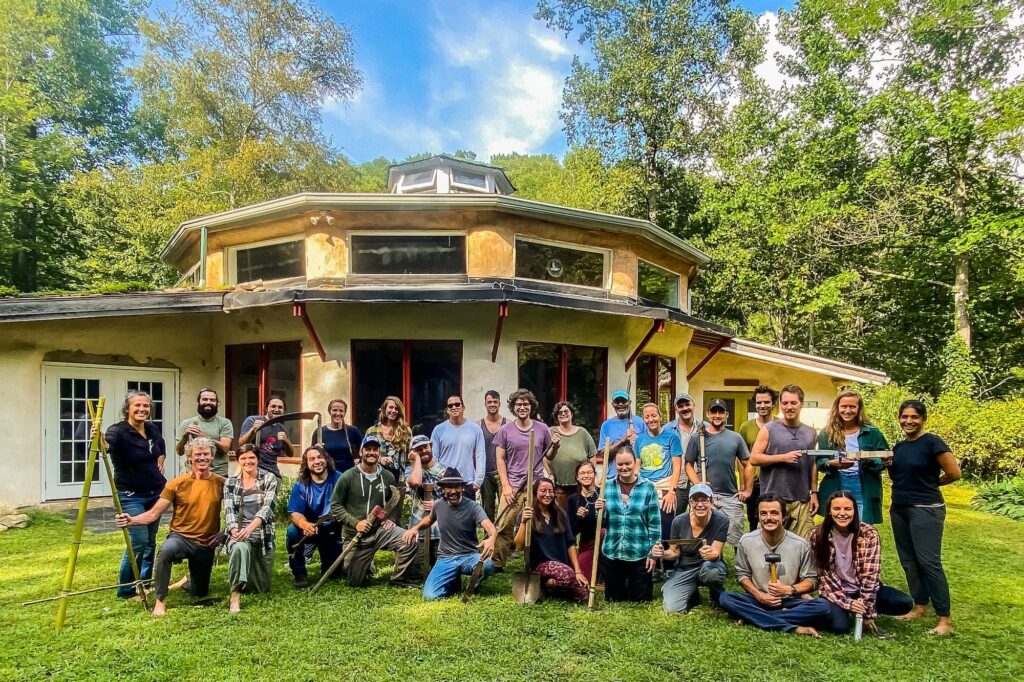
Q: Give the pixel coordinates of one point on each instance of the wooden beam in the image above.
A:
(656, 327)
(299, 310)
(502, 314)
(707, 358)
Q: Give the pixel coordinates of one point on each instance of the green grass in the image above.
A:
(384, 633)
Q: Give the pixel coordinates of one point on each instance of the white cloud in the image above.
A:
(770, 70)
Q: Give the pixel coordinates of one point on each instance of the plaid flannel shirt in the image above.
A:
(266, 483)
(633, 529)
(867, 563)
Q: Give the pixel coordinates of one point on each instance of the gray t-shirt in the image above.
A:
(458, 526)
(216, 428)
(721, 450)
(717, 530)
(490, 457)
(797, 562)
(791, 482)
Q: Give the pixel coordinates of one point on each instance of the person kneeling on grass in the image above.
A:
(700, 565)
(849, 558)
(775, 567)
(195, 525)
(309, 506)
(458, 551)
(249, 521)
(552, 545)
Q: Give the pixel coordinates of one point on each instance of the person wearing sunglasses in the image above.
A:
(459, 444)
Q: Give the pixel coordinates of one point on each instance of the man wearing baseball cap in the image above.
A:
(685, 427)
(712, 458)
(699, 565)
(422, 476)
(620, 429)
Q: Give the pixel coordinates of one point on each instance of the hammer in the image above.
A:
(773, 559)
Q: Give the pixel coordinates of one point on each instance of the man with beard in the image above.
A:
(207, 423)
(360, 489)
(423, 471)
(772, 598)
(764, 405)
(620, 429)
(686, 427)
(196, 499)
(309, 507)
(272, 441)
(458, 552)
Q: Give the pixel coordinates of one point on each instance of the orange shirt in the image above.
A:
(197, 505)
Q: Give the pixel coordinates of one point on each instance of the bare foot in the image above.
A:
(915, 613)
(180, 583)
(810, 632)
(943, 629)
(159, 609)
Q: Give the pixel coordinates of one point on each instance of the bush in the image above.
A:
(284, 490)
(882, 405)
(987, 437)
(1005, 497)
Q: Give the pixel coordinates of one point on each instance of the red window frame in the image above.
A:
(264, 375)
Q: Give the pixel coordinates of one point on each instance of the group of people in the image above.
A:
(654, 501)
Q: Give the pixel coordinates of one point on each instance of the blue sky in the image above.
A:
(446, 75)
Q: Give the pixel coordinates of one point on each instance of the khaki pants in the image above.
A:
(800, 520)
(357, 564)
(506, 529)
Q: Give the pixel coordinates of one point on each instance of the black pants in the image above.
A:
(918, 535)
(176, 549)
(889, 602)
(627, 580)
(751, 503)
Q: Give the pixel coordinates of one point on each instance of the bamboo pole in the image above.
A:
(89, 591)
(117, 508)
(603, 477)
(76, 542)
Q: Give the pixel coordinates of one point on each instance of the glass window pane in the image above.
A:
(435, 372)
(585, 374)
(65, 388)
(559, 264)
(283, 373)
(274, 261)
(469, 178)
(79, 388)
(244, 381)
(78, 470)
(376, 374)
(65, 451)
(408, 255)
(666, 387)
(93, 389)
(421, 178)
(539, 372)
(66, 472)
(658, 285)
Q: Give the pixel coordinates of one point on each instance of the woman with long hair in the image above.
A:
(340, 441)
(394, 435)
(849, 430)
(848, 554)
(249, 522)
(921, 464)
(583, 515)
(571, 445)
(553, 547)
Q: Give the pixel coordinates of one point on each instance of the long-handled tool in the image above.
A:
(376, 516)
(474, 577)
(428, 494)
(326, 518)
(703, 456)
(526, 585)
(597, 534)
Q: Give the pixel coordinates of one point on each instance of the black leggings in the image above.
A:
(889, 602)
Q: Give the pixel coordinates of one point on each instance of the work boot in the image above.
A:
(301, 582)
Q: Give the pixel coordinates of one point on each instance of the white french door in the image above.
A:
(66, 388)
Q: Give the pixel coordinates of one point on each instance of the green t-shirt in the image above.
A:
(216, 428)
(748, 430)
(571, 451)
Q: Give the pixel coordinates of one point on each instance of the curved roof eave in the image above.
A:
(311, 201)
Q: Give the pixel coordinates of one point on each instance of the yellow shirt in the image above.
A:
(197, 504)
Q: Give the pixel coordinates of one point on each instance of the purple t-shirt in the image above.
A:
(516, 444)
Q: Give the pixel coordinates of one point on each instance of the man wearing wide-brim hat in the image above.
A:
(458, 552)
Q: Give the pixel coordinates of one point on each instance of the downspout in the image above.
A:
(202, 257)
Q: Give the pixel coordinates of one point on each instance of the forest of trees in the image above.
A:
(868, 209)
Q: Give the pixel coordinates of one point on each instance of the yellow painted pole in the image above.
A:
(76, 542)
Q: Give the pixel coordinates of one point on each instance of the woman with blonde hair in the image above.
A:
(849, 430)
(394, 435)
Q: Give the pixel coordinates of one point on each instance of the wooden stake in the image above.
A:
(603, 477)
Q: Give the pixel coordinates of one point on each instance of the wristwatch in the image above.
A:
(794, 592)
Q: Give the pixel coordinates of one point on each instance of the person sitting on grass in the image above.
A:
(309, 506)
(249, 521)
(772, 598)
(458, 551)
(552, 545)
(848, 554)
(700, 565)
(196, 499)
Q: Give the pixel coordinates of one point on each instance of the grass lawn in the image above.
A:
(384, 633)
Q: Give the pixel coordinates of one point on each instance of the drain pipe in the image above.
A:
(202, 257)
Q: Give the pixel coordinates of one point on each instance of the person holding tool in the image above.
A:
(686, 427)
(208, 423)
(553, 549)
(582, 513)
(359, 490)
(620, 429)
(775, 568)
(458, 552)
(421, 476)
(848, 554)
(699, 561)
(712, 457)
(660, 455)
(271, 441)
(309, 507)
(137, 451)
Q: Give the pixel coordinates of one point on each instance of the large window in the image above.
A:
(658, 285)
(562, 372)
(554, 263)
(656, 383)
(278, 260)
(256, 371)
(421, 373)
(409, 254)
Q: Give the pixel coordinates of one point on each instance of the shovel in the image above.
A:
(526, 585)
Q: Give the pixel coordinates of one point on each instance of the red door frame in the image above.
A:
(263, 371)
(563, 371)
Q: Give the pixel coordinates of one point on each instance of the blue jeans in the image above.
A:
(793, 613)
(443, 580)
(851, 484)
(143, 540)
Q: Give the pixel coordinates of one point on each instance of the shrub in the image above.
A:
(1005, 497)
(987, 437)
(882, 404)
(284, 491)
